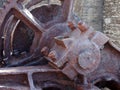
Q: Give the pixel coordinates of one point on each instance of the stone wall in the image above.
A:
(90, 11)
(112, 20)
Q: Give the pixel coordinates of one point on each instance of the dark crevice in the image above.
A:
(51, 88)
(112, 85)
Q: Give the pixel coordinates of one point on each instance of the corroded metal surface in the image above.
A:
(43, 47)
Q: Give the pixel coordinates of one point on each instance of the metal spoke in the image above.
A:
(28, 19)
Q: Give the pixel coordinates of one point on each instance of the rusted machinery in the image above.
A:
(44, 47)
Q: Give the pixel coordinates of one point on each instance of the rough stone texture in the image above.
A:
(90, 11)
(112, 20)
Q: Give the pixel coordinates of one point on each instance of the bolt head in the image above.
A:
(52, 55)
(45, 51)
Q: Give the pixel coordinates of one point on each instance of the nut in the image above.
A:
(82, 26)
(52, 55)
(45, 51)
(71, 25)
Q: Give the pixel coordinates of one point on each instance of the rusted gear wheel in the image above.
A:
(22, 37)
(24, 33)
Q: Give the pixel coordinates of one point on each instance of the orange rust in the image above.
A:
(82, 27)
(71, 25)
